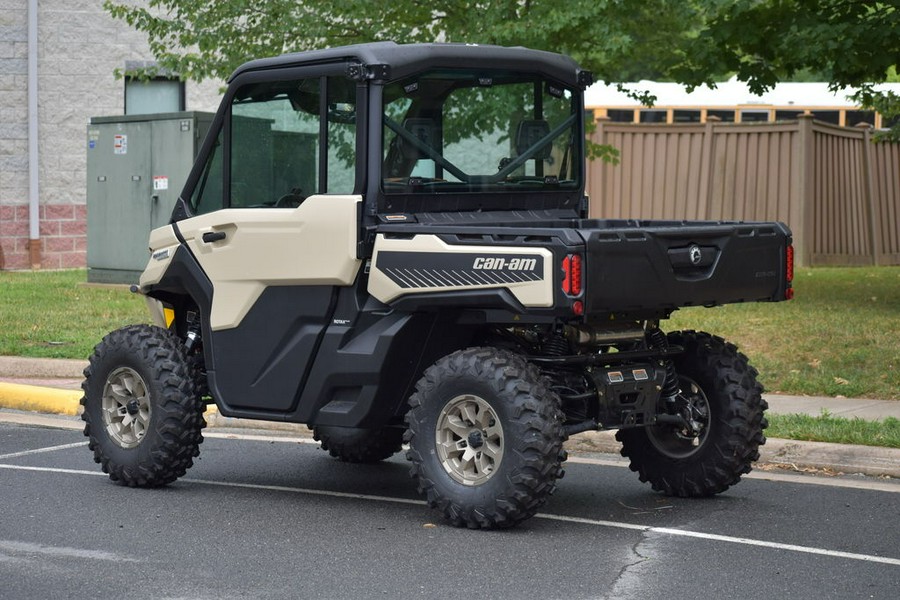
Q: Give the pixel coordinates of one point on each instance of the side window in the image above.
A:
(278, 155)
(207, 195)
(274, 144)
(341, 127)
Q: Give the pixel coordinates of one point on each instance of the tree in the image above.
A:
(695, 42)
(617, 40)
(852, 43)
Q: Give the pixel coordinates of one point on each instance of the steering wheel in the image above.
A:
(292, 199)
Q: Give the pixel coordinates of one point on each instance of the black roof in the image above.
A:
(406, 59)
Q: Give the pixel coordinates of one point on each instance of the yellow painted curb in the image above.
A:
(39, 399)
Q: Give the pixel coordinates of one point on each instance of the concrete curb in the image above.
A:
(42, 368)
(791, 454)
(39, 399)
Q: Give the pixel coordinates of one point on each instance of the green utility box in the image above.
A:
(136, 167)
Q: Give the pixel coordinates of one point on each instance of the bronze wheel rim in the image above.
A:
(469, 440)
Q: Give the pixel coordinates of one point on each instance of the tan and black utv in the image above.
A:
(391, 243)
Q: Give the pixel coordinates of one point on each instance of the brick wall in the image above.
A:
(63, 241)
(80, 46)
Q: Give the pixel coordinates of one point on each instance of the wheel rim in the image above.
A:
(678, 442)
(126, 407)
(469, 440)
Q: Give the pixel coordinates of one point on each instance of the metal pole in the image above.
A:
(34, 216)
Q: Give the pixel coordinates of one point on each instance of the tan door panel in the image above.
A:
(313, 244)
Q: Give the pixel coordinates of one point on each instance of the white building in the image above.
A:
(731, 101)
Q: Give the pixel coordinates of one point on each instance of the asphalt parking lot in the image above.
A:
(273, 517)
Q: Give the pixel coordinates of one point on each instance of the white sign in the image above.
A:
(160, 182)
(120, 144)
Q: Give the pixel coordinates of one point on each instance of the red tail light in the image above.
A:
(571, 284)
(790, 263)
(789, 272)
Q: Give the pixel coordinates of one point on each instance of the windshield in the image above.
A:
(458, 131)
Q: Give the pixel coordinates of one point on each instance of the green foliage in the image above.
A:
(695, 42)
(887, 103)
(52, 314)
(836, 430)
(853, 44)
(618, 40)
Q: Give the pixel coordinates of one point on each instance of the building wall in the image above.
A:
(79, 48)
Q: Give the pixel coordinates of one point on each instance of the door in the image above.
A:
(119, 188)
(279, 234)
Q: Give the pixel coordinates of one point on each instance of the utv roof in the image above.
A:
(401, 60)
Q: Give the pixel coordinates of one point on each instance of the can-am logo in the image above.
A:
(696, 254)
(497, 264)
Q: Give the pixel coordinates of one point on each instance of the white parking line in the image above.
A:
(857, 484)
(724, 538)
(61, 551)
(52, 470)
(575, 520)
(40, 450)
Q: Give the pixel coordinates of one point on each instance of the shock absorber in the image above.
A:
(671, 389)
(193, 331)
(556, 344)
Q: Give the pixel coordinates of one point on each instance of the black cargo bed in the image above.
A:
(650, 266)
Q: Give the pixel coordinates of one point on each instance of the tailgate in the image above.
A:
(662, 265)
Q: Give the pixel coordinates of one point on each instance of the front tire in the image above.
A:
(721, 387)
(142, 407)
(485, 436)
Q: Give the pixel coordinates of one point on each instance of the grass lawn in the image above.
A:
(840, 336)
(52, 314)
(826, 428)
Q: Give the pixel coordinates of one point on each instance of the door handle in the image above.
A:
(213, 236)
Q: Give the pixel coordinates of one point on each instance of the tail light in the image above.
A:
(571, 283)
(790, 263)
(789, 272)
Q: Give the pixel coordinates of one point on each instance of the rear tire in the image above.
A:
(353, 445)
(720, 382)
(485, 436)
(142, 408)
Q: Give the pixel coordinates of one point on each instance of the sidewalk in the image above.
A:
(54, 386)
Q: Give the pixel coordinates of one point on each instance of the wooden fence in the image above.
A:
(837, 190)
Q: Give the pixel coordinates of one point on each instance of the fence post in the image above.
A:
(707, 163)
(597, 169)
(868, 190)
(804, 232)
(600, 135)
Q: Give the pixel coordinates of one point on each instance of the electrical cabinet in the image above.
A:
(136, 168)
